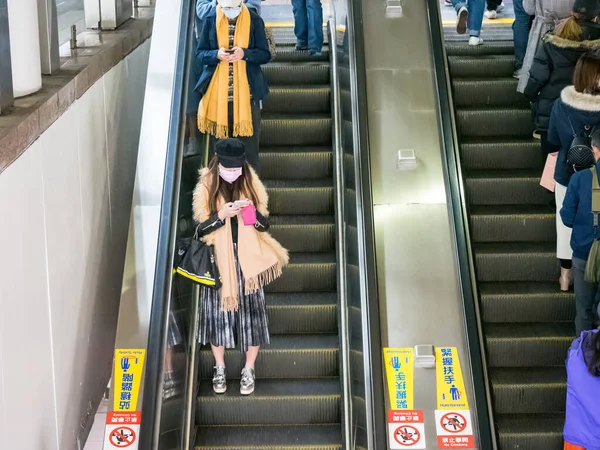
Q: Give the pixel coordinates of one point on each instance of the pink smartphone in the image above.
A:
(249, 215)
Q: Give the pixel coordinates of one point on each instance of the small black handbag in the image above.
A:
(197, 262)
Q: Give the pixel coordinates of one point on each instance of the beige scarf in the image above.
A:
(261, 257)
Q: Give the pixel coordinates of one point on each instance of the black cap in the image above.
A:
(231, 153)
(589, 9)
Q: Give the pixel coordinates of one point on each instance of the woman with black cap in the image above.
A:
(248, 259)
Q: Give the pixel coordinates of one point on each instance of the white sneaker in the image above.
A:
(448, 2)
(461, 20)
(491, 15)
(475, 40)
(500, 8)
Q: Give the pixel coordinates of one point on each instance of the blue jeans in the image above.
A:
(308, 23)
(585, 297)
(476, 9)
(520, 27)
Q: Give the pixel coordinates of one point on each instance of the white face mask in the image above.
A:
(230, 175)
(232, 13)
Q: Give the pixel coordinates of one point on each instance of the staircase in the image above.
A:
(296, 405)
(527, 321)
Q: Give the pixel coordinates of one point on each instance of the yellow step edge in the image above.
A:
(502, 21)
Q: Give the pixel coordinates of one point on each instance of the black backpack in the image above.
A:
(580, 155)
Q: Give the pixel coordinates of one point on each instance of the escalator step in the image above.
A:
(313, 234)
(298, 100)
(513, 223)
(302, 313)
(290, 54)
(486, 92)
(482, 66)
(287, 356)
(536, 390)
(525, 302)
(275, 402)
(516, 261)
(528, 344)
(297, 74)
(486, 153)
(307, 272)
(481, 122)
(531, 431)
(283, 437)
(295, 129)
(296, 162)
(300, 197)
(506, 187)
(490, 48)
(285, 35)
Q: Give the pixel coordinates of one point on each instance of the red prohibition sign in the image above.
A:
(409, 435)
(122, 437)
(453, 422)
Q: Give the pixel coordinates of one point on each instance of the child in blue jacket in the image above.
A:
(576, 213)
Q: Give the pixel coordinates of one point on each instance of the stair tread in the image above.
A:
(513, 247)
(282, 88)
(299, 220)
(313, 258)
(504, 210)
(292, 116)
(492, 108)
(521, 288)
(295, 149)
(534, 424)
(298, 184)
(470, 140)
(301, 299)
(527, 376)
(275, 388)
(503, 173)
(533, 331)
(265, 435)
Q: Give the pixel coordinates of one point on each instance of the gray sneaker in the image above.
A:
(219, 380)
(247, 382)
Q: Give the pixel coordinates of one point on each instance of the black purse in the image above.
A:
(197, 262)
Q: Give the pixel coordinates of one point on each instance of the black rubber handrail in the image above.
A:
(161, 293)
(456, 201)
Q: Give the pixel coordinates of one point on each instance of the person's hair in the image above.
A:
(229, 192)
(594, 363)
(586, 77)
(596, 139)
(569, 29)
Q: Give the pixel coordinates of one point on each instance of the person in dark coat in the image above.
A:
(222, 56)
(553, 65)
(575, 113)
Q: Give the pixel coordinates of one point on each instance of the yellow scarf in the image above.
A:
(212, 113)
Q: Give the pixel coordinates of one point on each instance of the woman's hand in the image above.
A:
(238, 54)
(228, 210)
(223, 55)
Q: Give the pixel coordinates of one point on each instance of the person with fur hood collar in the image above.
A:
(554, 62)
(575, 113)
(247, 257)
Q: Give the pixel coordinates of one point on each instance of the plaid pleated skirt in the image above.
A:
(246, 327)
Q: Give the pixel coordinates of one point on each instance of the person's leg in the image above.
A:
(251, 356)
(315, 25)
(585, 296)
(520, 28)
(252, 143)
(462, 15)
(300, 23)
(563, 240)
(219, 355)
(476, 10)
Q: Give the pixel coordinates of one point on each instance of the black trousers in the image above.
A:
(492, 5)
(252, 143)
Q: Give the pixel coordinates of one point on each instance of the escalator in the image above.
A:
(526, 320)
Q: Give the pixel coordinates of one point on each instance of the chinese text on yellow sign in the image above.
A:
(129, 365)
(399, 367)
(450, 383)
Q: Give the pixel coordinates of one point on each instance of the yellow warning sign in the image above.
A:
(129, 365)
(400, 372)
(450, 383)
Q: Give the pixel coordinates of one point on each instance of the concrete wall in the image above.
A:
(64, 216)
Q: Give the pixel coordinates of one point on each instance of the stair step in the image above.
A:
(294, 163)
(488, 92)
(300, 197)
(283, 437)
(297, 74)
(482, 66)
(528, 344)
(305, 233)
(506, 187)
(488, 121)
(490, 48)
(298, 99)
(275, 402)
(516, 261)
(531, 431)
(525, 302)
(295, 129)
(535, 390)
(302, 313)
(516, 223)
(290, 54)
(501, 153)
(307, 272)
(287, 356)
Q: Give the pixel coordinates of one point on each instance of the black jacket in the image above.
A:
(552, 70)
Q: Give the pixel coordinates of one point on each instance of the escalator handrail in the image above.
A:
(157, 330)
(460, 223)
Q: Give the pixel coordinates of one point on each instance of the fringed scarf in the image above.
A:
(261, 257)
(212, 112)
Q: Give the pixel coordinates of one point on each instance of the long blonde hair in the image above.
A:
(569, 29)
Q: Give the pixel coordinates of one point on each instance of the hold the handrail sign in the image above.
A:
(122, 430)
(454, 429)
(406, 429)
